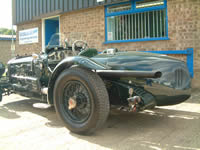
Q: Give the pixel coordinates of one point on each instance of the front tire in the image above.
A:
(81, 100)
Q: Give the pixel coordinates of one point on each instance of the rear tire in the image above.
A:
(89, 95)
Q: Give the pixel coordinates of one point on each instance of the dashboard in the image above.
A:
(59, 55)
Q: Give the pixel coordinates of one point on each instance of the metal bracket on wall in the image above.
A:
(189, 52)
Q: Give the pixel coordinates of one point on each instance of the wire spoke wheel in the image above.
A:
(81, 100)
(77, 102)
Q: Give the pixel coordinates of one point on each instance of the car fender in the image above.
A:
(68, 62)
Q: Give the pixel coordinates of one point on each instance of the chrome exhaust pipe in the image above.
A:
(128, 73)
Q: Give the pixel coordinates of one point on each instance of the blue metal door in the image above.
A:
(51, 27)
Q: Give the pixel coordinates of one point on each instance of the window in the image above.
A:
(119, 8)
(136, 20)
(149, 3)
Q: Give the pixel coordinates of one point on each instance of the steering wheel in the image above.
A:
(82, 47)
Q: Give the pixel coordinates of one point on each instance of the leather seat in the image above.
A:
(90, 52)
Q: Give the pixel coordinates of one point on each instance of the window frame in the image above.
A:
(134, 10)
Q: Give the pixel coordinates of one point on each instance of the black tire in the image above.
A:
(98, 100)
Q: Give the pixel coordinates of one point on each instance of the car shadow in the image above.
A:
(123, 130)
(9, 111)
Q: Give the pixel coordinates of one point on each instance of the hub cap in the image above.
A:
(71, 103)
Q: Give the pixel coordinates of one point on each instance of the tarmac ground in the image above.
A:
(27, 124)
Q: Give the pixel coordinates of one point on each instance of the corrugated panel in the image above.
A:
(44, 6)
(37, 7)
(31, 9)
(57, 4)
(65, 5)
(85, 4)
(61, 5)
(17, 12)
(24, 9)
(48, 6)
(41, 6)
(75, 4)
(91, 3)
(21, 10)
(80, 4)
(52, 5)
(70, 2)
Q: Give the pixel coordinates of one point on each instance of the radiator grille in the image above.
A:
(181, 78)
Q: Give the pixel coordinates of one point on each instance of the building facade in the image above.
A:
(7, 48)
(131, 25)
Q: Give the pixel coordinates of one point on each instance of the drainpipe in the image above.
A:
(13, 44)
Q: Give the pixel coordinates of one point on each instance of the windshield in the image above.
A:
(57, 40)
(73, 41)
(61, 40)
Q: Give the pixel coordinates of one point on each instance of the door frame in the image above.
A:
(43, 29)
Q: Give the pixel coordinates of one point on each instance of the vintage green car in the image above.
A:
(82, 84)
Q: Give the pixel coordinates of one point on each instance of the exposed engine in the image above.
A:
(28, 75)
(24, 75)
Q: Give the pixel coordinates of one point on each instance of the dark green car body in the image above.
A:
(28, 75)
(171, 88)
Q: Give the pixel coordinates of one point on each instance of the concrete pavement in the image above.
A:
(27, 124)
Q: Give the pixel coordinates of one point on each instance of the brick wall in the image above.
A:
(29, 48)
(5, 51)
(89, 25)
(183, 27)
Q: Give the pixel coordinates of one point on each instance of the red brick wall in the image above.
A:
(5, 51)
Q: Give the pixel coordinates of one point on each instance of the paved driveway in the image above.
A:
(30, 125)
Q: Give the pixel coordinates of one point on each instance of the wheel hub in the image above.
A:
(72, 103)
